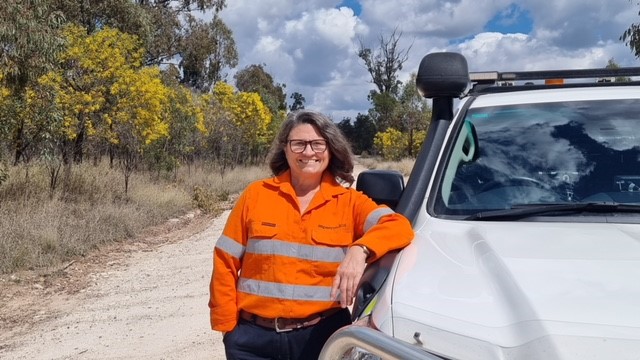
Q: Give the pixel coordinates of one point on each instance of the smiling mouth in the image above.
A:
(309, 161)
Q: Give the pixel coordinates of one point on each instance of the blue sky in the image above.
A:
(353, 4)
(513, 19)
(311, 45)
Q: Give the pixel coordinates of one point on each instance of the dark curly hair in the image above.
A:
(341, 161)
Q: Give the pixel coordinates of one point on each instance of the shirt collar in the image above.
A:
(329, 186)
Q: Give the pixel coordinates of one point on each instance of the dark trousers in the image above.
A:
(249, 341)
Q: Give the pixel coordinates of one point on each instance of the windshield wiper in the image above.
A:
(525, 210)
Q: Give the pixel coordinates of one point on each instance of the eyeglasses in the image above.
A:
(299, 146)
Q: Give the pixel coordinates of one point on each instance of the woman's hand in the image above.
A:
(348, 276)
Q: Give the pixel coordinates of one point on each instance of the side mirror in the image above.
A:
(443, 74)
(383, 186)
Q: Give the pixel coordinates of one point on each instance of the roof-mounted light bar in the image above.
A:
(494, 76)
(484, 76)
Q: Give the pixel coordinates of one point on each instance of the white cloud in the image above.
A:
(268, 44)
(505, 52)
(576, 24)
(311, 46)
(451, 19)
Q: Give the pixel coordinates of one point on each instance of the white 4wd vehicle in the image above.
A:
(526, 209)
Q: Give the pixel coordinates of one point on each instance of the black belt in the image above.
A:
(280, 324)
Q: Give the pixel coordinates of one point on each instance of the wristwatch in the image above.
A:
(366, 250)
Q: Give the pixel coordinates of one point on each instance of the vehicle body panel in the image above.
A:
(513, 284)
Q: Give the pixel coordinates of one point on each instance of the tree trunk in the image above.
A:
(18, 141)
(78, 145)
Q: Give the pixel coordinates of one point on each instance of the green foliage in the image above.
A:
(30, 41)
(631, 37)
(254, 78)
(187, 130)
(347, 129)
(167, 29)
(124, 15)
(159, 160)
(208, 49)
(396, 108)
(383, 112)
(364, 131)
(611, 64)
(385, 62)
(298, 101)
(413, 114)
(29, 44)
(88, 89)
(360, 134)
(241, 122)
(106, 98)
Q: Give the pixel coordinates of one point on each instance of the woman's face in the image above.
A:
(309, 162)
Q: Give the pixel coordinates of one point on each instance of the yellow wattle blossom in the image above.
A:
(105, 91)
(247, 111)
(392, 144)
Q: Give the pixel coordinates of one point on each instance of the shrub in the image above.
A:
(391, 143)
(204, 199)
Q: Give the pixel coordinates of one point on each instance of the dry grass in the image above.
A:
(404, 166)
(39, 230)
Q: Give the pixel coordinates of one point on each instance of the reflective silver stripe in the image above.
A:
(298, 251)
(375, 216)
(230, 246)
(284, 291)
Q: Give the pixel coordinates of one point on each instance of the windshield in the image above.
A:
(544, 153)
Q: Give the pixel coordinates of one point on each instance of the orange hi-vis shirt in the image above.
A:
(273, 261)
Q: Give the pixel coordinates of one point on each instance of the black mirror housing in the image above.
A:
(443, 74)
(383, 186)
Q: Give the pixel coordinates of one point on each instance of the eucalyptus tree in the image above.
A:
(365, 129)
(107, 96)
(298, 101)
(254, 78)
(204, 44)
(207, 49)
(384, 64)
(29, 45)
(169, 30)
(611, 64)
(414, 113)
(243, 134)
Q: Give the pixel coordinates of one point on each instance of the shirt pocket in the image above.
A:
(330, 248)
(332, 237)
(258, 260)
(262, 229)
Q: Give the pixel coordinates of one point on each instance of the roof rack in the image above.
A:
(491, 77)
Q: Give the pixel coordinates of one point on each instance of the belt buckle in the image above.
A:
(278, 330)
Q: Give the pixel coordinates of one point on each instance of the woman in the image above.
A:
(295, 246)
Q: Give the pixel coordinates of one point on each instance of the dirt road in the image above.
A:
(149, 302)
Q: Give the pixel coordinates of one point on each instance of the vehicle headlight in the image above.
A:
(357, 353)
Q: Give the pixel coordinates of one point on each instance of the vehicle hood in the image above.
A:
(520, 289)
